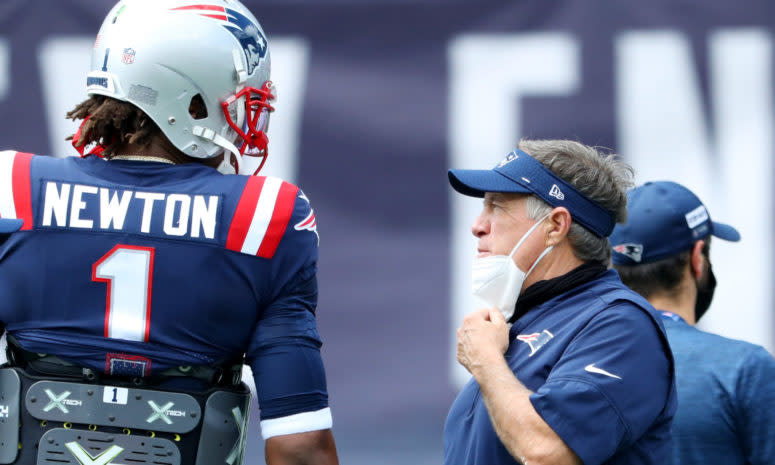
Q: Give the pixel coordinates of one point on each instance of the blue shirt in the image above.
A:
(131, 267)
(726, 399)
(599, 366)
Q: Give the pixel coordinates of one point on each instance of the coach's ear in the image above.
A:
(558, 224)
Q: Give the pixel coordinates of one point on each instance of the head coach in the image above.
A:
(569, 365)
(726, 388)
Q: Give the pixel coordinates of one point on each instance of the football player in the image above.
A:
(146, 272)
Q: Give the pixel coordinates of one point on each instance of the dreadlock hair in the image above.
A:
(111, 123)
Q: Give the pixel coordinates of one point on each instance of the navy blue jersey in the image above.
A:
(597, 361)
(726, 398)
(134, 267)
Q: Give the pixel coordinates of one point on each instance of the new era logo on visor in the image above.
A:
(556, 192)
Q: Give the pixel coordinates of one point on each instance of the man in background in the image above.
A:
(726, 388)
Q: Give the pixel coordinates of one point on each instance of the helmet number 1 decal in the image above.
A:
(128, 272)
(105, 63)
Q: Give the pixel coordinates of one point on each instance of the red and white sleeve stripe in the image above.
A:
(15, 195)
(263, 212)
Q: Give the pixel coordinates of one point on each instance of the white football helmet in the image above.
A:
(172, 57)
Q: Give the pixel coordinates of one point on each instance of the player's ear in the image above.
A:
(558, 224)
(697, 259)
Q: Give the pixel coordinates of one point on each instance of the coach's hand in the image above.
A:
(483, 337)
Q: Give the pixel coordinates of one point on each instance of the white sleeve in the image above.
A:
(297, 423)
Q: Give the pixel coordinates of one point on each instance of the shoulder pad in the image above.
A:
(15, 195)
(263, 212)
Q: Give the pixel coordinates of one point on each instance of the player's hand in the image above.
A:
(483, 337)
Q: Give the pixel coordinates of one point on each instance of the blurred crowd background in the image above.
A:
(378, 98)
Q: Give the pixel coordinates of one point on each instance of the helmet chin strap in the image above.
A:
(226, 167)
(239, 67)
(208, 134)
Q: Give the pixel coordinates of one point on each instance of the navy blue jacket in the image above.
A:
(598, 363)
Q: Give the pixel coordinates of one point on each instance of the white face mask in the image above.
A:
(497, 279)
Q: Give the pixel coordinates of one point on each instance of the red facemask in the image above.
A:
(253, 131)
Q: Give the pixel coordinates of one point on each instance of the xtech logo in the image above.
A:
(163, 412)
(59, 401)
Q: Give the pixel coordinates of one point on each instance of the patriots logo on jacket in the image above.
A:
(536, 340)
(634, 251)
(244, 30)
(309, 223)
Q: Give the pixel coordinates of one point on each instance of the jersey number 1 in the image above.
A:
(128, 272)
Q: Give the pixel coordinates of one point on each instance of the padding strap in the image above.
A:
(217, 139)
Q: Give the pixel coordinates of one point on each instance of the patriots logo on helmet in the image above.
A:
(634, 251)
(248, 34)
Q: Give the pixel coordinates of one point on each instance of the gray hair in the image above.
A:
(603, 178)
